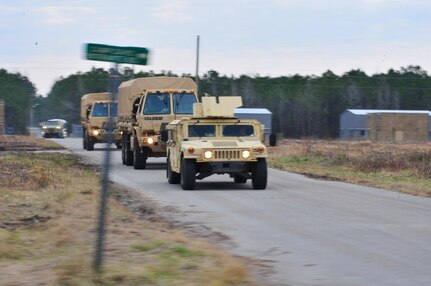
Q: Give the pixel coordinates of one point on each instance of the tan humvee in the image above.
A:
(95, 110)
(54, 128)
(145, 107)
(213, 141)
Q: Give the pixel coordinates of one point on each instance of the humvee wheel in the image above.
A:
(239, 179)
(173, 177)
(188, 174)
(139, 160)
(88, 143)
(259, 174)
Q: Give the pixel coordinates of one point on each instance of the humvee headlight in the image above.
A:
(44, 127)
(260, 148)
(245, 154)
(150, 140)
(208, 154)
(96, 132)
(191, 150)
(57, 127)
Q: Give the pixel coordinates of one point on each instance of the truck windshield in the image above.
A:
(183, 103)
(100, 110)
(202, 130)
(114, 109)
(52, 123)
(237, 130)
(157, 103)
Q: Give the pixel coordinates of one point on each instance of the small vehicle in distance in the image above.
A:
(54, 128)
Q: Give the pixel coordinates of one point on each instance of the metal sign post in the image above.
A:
(131, 55)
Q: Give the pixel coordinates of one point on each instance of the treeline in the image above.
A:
(18, 94)
(302, 106)
(310, 106)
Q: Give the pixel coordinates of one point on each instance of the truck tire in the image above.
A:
(123, 155)
(84, 142)
(139, 159)
(188, 174)
(88, 142)
(259, 174)
(173, 177)
(239, 179)
(128, 154)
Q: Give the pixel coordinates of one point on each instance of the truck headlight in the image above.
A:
(208, 154)
(245, 154)
(150, 140)
(57, 127)
(44, 127)
(96, 132)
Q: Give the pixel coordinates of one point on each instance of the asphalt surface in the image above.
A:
(310, 232)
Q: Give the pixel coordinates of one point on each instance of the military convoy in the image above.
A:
(54, 128)
(96, 108)
(213, 141)
(145, 107)
(162, 117)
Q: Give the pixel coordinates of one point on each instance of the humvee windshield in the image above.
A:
(157, 103)
(183, 103)
(202, 130)
(237, 130)
(101, 109)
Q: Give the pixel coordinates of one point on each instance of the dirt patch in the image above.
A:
(19, 143)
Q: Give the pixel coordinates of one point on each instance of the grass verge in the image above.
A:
(400, 167)
(48, 204)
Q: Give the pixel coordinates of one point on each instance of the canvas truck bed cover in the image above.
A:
(89, 98)
(130, 90)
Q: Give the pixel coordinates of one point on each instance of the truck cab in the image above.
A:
(146, 106)
(96, 109)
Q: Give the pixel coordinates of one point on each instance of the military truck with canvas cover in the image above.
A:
(54, 128)
(213, 141)
(95, 111)
(145, 107)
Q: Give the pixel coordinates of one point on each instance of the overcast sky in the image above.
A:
(44, 40)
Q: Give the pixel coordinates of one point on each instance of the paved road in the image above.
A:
(312, 232)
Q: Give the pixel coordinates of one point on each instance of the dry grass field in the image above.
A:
(48, 210)
(402, 167)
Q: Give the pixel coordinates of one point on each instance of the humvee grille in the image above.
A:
(229, 154)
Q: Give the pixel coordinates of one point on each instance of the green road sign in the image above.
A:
(127, 55)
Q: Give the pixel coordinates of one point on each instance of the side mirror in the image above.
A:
(164, 135)
(272, 140)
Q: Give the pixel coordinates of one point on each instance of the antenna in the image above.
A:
(197, 66)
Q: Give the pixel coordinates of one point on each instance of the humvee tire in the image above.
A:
(188, 174)
(173, 177)
(259, 174)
